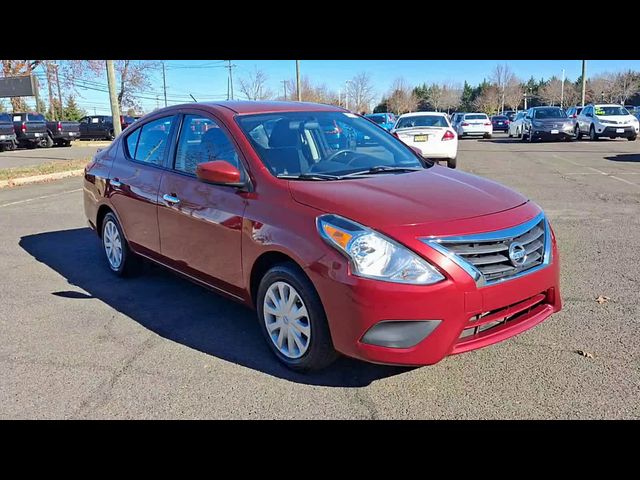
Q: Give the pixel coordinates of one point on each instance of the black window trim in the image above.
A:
(163, 164)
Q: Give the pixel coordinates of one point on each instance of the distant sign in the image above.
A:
(17, 86)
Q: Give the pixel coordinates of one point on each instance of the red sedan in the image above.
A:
(368, 250)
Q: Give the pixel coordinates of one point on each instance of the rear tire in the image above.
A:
(452, 162)
(48, 141)
(577, 134)
(111, 136)
(487, 135)
(318, 350)
(120, 259)
(632, 139)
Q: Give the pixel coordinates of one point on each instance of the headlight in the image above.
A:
(374, 255)
(605, 121)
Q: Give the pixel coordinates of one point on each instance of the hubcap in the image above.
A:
(112, 244)
(287, 320)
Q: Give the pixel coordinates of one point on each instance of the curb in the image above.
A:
(14, 182)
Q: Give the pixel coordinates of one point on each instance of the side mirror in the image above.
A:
(218, 171)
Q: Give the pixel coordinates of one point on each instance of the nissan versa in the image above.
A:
(367, 249)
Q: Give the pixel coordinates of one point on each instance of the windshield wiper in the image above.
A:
(383, 169)
(311, 176)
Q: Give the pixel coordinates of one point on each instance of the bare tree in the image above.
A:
(513, 93)
(489, 100)
(310, 92)
(600, 88)
(436, 96)
(254, 86)
(401, 98)
(625, 85)
(452, 97)
(501, 77)
(133, 77)
(551, 92)
(360, 92)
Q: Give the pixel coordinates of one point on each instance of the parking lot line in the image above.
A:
(39, 198)
(596, 171)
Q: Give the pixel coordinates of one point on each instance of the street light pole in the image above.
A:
(346, 94)
(298, 80)
(164, 84)
(584, 79)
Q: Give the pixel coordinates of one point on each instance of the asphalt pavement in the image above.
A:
(24, 157)
(79, 343)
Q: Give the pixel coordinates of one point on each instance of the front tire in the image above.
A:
(293, 320)
(593, 136)
(120, 259)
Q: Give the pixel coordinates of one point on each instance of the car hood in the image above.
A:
(619, 119)
(551, 121)
(436, 194)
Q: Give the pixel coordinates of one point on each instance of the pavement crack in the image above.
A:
(101, 394)
(363, 398)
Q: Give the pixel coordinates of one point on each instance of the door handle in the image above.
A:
(170, 199)
(115, 183)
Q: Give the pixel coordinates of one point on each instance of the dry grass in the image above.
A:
(43, 169)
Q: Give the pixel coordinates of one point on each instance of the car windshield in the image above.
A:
(377, 119)
(542, 113)
(611, 111)
(4, 117)
(500, 118)
(477, 116)
(422, 121)
(35, 117)
(324, 145)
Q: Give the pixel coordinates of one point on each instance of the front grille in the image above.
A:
(502, 316)
(487, 256)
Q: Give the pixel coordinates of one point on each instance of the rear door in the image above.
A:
(200, 223)
(135, 180)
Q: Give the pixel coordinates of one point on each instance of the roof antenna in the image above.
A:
(194, 98)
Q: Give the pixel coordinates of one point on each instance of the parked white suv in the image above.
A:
(430, 133)
(606, 120)
(475, 124)
(515, 127)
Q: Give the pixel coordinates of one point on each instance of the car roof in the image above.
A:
(475, 113)
(606, 105)
(247, 107)
(418, 114)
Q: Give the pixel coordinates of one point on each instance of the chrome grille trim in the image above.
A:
(485, 268)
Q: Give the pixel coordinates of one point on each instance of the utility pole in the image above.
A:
(230, 80)
(37, 95)
(284, 86)
(59, 92)
(115, 108)
(49, 80)
(298, 80)
(164, 84)
(584, 79)
(562, 91)
(525, 100)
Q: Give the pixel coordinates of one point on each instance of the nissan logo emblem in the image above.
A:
(517, 254)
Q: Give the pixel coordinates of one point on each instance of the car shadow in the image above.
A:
(626, 157)
(181, 311)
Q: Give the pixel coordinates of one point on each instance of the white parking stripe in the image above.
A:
(596, 171)
(40, 198)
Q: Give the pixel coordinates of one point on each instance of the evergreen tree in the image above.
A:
(467, 98)
(41, 107)
(71, 110)
(3, 107)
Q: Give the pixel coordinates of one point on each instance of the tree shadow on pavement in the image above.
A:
(626, 157)
(181, 311)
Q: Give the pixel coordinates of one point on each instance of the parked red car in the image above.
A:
(369, 250)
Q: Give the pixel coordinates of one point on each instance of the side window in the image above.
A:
(84, 120)
(202, 140)
(132, 142)
(152, 141)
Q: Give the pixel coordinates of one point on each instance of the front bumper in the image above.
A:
(614, 132)
(353, 305)
(547, 135)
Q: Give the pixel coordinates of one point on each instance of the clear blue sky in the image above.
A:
(207, 79)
